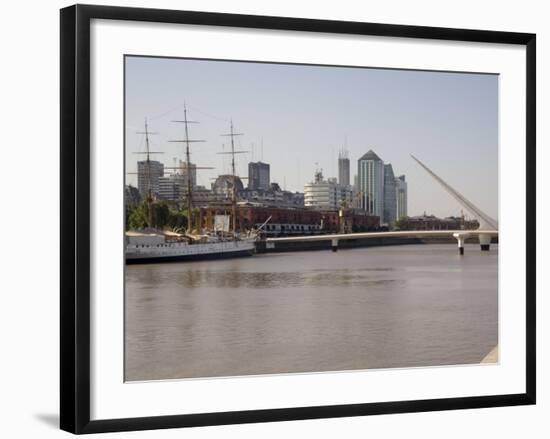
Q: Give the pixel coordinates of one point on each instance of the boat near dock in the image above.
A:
(151, 245)
(172, 247)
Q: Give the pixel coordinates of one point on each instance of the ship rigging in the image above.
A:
(187, 141)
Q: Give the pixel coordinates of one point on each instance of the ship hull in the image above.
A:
(183, 258)
(196, 252)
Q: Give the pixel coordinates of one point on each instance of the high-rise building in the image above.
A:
(356, 203)
(371, 183)
(258, 175)
(326, 194)
(401, 196)
(149, 173)
(343, 168)
(188, 173)
(173, 187)
(390, 200)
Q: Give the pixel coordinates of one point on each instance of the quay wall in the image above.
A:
(261, 246)
(326, 245)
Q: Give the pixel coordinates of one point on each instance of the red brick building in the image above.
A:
(431, 222)
(357, 220)
(293, 221)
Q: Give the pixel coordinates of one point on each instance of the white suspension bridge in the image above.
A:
(488, 227)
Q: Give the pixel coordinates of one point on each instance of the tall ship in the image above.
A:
(155, 247)
(223, 241)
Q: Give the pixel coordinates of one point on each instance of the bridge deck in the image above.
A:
(399, 234)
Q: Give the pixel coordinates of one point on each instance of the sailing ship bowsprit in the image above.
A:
(160, 246)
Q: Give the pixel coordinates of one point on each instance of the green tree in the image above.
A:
(161, 214)
(165, 215)
(177, 219)
(136, 216)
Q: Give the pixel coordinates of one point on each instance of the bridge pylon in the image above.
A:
(485, 221)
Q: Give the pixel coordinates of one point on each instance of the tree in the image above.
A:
(177, 219)
(164, 215)
(136, 216)
(161, 214)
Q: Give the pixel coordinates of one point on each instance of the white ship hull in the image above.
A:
(182, 251)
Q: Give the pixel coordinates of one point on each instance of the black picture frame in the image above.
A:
(75, 217)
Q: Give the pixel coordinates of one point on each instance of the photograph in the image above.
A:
(296, 218)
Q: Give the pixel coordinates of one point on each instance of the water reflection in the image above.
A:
(270, 280)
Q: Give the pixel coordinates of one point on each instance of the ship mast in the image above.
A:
(149, 197)
(232, 134)
(187, 141)
(149, 180)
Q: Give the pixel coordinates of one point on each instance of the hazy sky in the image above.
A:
(304, 115)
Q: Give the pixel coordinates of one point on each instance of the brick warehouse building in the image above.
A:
(294, 221)
(431, 222)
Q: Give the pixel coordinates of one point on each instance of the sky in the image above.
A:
(298, 117)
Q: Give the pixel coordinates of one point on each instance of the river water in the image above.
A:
(378, 307)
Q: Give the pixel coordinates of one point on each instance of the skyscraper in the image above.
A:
(371, 183)
(390, 200)
(343, 168)
(401, 196)
(149, 173)
(258, 175)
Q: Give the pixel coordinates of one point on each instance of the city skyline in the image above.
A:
(277, 132)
